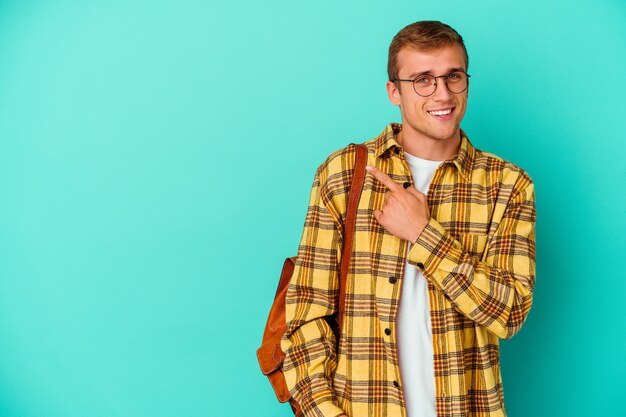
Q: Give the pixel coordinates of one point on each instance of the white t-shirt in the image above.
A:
(414, 333)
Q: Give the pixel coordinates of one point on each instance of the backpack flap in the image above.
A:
(271, 358)
(270, 355)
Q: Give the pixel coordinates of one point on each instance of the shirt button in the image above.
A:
(395, 384)
(406, 184)
(387, 332)
(420, 265)
(393, 280)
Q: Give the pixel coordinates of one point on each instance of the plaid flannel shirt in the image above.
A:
(477, 253)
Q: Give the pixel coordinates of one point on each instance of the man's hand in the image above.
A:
(405, 212)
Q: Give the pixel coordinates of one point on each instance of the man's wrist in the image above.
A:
(413, 239)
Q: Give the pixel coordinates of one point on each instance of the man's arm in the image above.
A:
(495, 293)
(309, 343)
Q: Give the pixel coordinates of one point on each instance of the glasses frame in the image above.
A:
(445, 80)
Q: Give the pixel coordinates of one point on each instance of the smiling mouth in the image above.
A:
(440, 112)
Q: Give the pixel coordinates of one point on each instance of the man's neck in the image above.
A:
(428, 148)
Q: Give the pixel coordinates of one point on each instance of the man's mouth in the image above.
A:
(441, 114)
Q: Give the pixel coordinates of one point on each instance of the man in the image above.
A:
(443, 263)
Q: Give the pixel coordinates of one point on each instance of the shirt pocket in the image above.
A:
(474, 244)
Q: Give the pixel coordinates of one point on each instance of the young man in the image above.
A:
(443, 263)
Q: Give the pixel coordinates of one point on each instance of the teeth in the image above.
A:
(440, 112)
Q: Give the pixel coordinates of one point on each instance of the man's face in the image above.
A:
(417, 112)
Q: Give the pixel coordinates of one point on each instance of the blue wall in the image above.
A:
(155, 165)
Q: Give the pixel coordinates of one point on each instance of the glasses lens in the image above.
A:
(424, 85)
(457, 82)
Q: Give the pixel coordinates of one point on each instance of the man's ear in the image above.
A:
(393, 93)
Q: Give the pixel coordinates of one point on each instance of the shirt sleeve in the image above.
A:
(495, 292)
(309, 342)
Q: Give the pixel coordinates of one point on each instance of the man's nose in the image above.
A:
(441, 91)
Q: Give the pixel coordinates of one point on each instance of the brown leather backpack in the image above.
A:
(270, 355)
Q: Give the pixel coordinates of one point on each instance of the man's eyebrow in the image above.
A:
(429, 72)
(417, 74)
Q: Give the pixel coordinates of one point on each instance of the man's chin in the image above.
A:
(446, 134)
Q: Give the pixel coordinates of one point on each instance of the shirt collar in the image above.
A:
(464, 159)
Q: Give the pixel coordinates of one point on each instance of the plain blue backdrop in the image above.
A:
(155, 165)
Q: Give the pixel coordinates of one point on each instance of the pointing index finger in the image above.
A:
(384, 178)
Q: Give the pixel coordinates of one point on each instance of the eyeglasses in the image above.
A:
(425, 85)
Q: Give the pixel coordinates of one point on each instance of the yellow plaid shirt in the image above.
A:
(477, 253)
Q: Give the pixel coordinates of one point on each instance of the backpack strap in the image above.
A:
(358, 178)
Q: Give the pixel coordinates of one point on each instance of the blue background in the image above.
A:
(155, 165)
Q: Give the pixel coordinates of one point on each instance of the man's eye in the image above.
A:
(422, 80)
(454, 76)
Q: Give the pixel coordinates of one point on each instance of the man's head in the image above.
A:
(428, 79)
(426, 36)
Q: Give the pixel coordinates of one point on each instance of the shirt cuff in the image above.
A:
(433, 246)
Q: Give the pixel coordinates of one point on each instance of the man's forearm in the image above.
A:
(495, 293)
